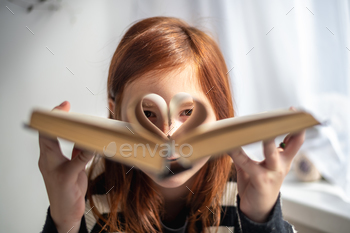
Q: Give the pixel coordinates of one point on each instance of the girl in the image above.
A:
(228, 193)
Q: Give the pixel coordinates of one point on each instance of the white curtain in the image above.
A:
(282, 54)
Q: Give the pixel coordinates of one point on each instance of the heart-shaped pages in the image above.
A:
(143, 126)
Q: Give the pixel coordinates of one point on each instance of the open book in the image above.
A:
(138, 142)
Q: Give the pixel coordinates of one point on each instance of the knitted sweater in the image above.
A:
(231, 221)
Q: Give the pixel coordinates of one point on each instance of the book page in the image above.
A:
(199, 113)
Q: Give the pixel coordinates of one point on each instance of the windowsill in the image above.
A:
(317, 205)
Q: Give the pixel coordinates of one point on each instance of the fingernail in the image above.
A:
(63, 103)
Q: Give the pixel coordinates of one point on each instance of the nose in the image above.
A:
(171, 127)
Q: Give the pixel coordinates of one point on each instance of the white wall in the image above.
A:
(83, 39)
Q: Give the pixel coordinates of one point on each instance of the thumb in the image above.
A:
(79, 160)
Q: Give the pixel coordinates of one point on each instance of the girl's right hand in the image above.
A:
(65, 181)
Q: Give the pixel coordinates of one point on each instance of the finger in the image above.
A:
(293, 145)
(287, 138)
(271, 153)
(50, 151)
(286, 141)
(65, 106)
(75, 152)
(78, 163)
(292, 108)
(280, 148)
(241, 159)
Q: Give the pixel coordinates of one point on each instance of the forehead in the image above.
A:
(164, 84)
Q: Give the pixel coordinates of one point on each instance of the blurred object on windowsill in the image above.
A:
(304, 169)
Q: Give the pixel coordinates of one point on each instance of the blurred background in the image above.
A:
(280, 54)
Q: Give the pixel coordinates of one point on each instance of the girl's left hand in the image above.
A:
(259, 183)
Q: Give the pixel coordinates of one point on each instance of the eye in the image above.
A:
(149, 114)
(187, 112)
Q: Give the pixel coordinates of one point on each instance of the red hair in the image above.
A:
(164, 44)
